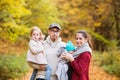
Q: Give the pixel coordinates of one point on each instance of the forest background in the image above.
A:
(100, 18)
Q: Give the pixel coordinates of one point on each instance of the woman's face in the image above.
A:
(80, 40)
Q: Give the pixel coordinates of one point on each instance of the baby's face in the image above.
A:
(70, 52)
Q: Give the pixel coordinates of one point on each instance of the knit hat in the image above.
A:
(70, 46)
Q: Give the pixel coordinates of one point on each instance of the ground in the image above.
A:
(96, 73)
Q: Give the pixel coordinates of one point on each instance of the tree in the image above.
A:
(17, 17)
(43, 13)
(96, 16)
(116, 7)
(10, 20)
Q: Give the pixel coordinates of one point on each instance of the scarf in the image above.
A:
(84, 48)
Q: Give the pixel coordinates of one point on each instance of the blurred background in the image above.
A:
(100, 18)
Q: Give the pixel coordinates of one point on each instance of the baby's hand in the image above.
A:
(67, 57)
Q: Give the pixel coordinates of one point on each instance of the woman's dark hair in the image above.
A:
(86, 35)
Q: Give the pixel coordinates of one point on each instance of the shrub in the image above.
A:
(97, 57)
(109, 60)
(12, 66)
(113, 69)
(112, 63)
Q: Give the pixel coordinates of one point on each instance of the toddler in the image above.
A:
(36, 54)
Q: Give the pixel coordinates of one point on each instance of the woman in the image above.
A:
(80, 59)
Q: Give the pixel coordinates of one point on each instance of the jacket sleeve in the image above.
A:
(35, 48)
(81, 63)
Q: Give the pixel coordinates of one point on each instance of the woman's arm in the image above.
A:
(81, 64)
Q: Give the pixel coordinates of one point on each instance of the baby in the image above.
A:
(62, 68)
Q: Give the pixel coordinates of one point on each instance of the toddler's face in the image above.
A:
(36, 35)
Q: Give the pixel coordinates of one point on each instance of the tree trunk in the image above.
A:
(116, 6)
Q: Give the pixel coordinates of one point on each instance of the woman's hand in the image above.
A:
(67, 57)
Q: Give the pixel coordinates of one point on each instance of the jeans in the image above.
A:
(33, 74)
(48, 72)
(47, 76)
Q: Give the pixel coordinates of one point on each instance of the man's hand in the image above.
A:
(42, 67)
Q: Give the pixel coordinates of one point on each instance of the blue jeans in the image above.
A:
(48, 72)
(47, 76)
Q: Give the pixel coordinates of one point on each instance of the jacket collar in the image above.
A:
(51, 43)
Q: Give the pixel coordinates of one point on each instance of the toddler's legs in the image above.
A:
(48, 72)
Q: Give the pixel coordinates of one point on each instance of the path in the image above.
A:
(96, 73)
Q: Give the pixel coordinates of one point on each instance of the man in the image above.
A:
(51, 45)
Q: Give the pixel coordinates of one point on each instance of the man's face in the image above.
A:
(54, 33)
